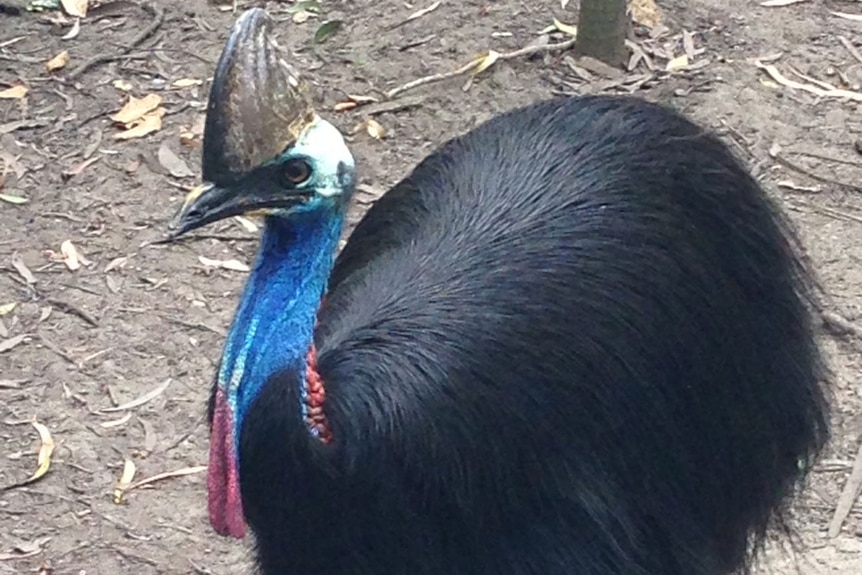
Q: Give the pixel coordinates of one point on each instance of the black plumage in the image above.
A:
(576, 340)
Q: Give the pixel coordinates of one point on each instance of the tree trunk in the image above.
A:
(602, 27)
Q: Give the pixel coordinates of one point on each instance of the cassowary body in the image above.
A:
(573, 341)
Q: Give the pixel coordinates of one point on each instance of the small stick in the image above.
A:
(158, 18)
(848, 496)
(839, 325)
(528, 51)
(70, 309)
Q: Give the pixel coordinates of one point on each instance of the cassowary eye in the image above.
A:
(296, 171)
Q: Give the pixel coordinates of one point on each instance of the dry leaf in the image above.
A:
(123, 85)
(645, 13)
(73, 33)
(137, 108)
(344, 106)
(14, 93)
(173, 163)
(116, 422)
(375, 129)
(57, 62)
(776, 3)
(187, 83)
(22, 269)
(150, 123)
(677, 63)
(486, 62)
(233, 265)
(76, 8)
(167, 475)
(565, 28)
(149, 396)
(125, 480)
(116, 263)
(71, 257)
(301, 17)
(12, 342)
(46, 449)
(12, 383)
(846, 16)
(819, 91)
(422, 12)
(8, 307)
(249, 225)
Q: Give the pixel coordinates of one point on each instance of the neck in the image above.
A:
(274, 326)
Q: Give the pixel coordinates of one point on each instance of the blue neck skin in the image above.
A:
(274, 325)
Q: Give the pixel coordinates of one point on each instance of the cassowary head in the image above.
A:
(265, 150)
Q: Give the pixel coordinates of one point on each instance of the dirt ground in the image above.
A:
(135, 315)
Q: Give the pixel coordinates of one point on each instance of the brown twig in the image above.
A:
(158, 15)
(71, 309)
(823, 179)
(528, 51)
(851, 491)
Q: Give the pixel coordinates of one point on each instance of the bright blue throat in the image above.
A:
(274, 325)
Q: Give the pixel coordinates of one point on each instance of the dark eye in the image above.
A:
(296, 171)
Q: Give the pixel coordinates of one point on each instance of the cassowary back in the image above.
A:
(573, 341)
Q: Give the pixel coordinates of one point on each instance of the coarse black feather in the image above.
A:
(576, 340)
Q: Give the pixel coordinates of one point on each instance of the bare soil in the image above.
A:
(93, 339)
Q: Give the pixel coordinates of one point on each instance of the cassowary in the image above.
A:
(574, 341)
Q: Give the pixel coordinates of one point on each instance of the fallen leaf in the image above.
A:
(116, 422)
(76, 8)
(375, 129)
(12, 342)
(14, 93)
(125, 480)
(70, 255)
(846, 16)
(233, 265)
(46, 449)
(11, 383)
(17, 200)
(187, 82)
(149, 396)
(116, 263)
(486, 62)
(150, 123)
(677, 63)
(246, 223)
(167, 475)
(565, 28)
(22, 269)
(345, 106)
(74, 31)
(137, 108)
(173, 163)
(776, 3)
(326, 30)
(301, 17)
(57, 62)
(820, 91)
(422, 12)
(123, 85)
(645, 13)
(8, 307)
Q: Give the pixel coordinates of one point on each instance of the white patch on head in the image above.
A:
(324, 144)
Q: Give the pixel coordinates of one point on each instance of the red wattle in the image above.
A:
(223, 494)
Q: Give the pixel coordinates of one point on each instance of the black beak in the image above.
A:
(258, 106)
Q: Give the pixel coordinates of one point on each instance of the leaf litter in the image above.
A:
(46, 450)
(147, 397)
